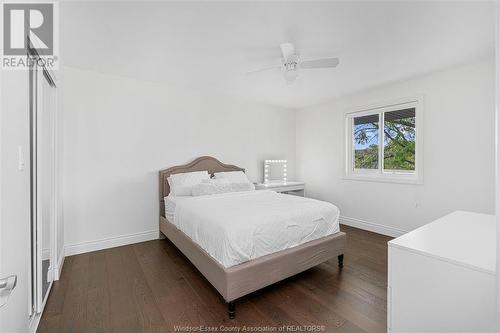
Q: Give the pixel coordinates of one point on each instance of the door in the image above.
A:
(44, 191)
(15, 240)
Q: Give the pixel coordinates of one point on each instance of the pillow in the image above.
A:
(215, 181)
(182, 183)
(217, 187)
(233, 176)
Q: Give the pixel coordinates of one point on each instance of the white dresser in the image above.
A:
(442, 276)
(295, 188)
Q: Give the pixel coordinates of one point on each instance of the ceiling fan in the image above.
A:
(291, 63)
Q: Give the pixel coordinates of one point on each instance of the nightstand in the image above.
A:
(294, 188)
(441, 276)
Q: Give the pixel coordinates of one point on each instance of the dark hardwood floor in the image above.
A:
(152, 287)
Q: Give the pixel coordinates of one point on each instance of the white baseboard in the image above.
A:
(106, 243)
(371, 226)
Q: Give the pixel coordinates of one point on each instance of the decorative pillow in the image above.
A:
(182, 183)
(218, 186)
(232, 176)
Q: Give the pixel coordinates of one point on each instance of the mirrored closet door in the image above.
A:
(43, 105)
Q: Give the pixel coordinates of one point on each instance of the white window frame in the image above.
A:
(381, 175)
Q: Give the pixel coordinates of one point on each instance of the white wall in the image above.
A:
(118, 132)
(459, 150)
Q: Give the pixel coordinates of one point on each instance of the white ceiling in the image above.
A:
(206, 47)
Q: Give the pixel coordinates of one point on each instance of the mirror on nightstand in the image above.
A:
(275, 171)
(275, 179)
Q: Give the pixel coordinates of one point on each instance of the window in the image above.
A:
(383, 144)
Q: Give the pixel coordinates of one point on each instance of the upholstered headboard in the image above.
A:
(208, 163)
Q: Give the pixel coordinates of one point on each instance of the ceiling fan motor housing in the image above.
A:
(290, 68)
(291, 64)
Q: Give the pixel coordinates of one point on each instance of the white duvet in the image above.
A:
(237, 227)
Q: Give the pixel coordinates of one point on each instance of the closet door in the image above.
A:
(15, 240)
(45, 187)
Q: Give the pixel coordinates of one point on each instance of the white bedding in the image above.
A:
(170, 203)
(237, 227)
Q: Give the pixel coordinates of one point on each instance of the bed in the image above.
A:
(242, 242)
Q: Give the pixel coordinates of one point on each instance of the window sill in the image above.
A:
(384, 179)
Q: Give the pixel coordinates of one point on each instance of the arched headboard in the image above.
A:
(208, 163)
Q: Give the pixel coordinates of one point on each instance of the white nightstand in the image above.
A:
(442, 276)
(294, 188)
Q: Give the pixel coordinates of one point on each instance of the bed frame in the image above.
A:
(247, 277)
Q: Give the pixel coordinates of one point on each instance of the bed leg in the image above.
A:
(231, 307)
(341, 260)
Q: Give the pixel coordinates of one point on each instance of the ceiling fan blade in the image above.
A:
(287, 49)
(320, 63)
(263, 70)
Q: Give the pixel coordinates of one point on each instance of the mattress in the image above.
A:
(237, 227)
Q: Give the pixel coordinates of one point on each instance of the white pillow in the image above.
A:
(182, 183)
(217, 187)
(215, 181)
(233, 176)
